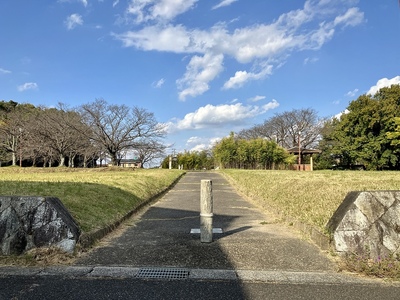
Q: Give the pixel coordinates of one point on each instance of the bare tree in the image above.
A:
(10, 138)
(150, 151)
(13, 129)
(119, 128)
(56, 128)
(288, 127)
(254, 132)
(303, 127)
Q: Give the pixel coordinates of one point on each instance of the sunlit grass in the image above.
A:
(311, 197)
(94, 197)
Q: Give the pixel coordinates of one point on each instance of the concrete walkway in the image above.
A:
(251, 240)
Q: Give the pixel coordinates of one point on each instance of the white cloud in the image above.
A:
(310, 60)
(199, 72)
(384, 82)
(158, 10)
(352, 17)
(28, 86)
(224, 3)
(160, 38)
(241, 77)
(4, 71)
(159, 83)
(263, 46)
(194, 140)
(263, 41)
(73, 20)
(214, 140)
(196, 143)
(257, 98)
(352, 93)
(270, 105)
(317, 38)
(115, 3)
(256, 42)
(84, 2)
(221, 115)
(339, 115)
(199, 147)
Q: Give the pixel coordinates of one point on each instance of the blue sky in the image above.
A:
(204, 68)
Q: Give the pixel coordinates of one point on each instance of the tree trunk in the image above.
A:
(114, 159)
(71, 163)
(14, 156)
(62, 160)
(14, 159)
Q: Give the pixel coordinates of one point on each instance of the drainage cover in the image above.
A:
(163, 273)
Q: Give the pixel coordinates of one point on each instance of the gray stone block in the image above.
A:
(367, 222)
(28, 222)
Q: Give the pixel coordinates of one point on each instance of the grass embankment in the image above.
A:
(311, 197)
(94, 197)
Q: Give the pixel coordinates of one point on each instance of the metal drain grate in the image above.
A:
(164, 273)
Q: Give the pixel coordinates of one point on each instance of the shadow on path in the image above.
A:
(251, 240)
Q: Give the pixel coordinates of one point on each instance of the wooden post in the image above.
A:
(206, 212)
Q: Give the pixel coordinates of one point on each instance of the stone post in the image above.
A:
(206, 212)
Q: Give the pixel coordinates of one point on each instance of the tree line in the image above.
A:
(266, 145)
(233, 152)
(255, 153)
(190, 160)
(366, 135)
(80, 137)
(288, 128)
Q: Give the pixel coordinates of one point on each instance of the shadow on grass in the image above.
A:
(97, 208)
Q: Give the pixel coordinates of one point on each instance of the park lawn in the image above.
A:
(94, 197)
(98, 197)
(311, 197)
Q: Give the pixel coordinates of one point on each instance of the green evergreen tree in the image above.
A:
(366, 134)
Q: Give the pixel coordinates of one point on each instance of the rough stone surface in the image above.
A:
(367, 221)
(29, 222)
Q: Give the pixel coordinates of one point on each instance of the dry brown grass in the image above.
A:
(311, 197)
(50, 256)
